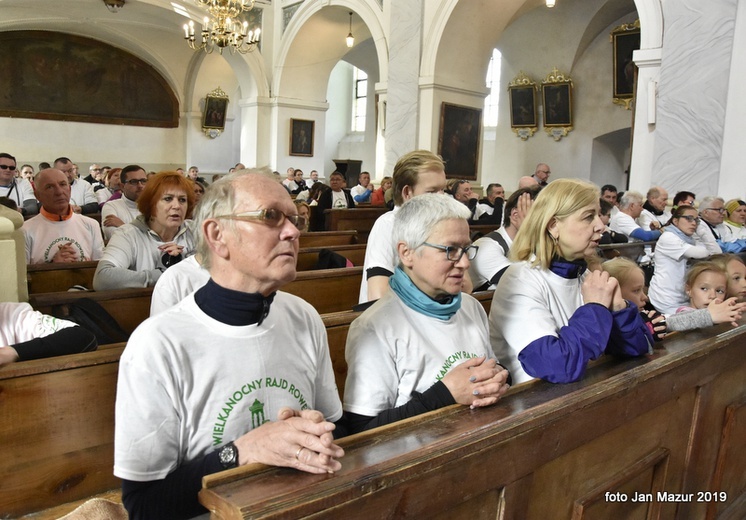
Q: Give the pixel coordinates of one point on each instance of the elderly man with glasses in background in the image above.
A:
(255, 361)
(711, 227)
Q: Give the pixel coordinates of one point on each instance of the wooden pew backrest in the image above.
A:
(309, 256)
(129, 307)
(57, 431)
(43, 278)
(327, 238)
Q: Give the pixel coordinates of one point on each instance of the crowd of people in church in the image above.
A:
(230, 370)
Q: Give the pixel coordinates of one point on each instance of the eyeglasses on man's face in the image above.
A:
(719, 210)
(135, 182)
(454, 253)
(271, 217)
(7, 167)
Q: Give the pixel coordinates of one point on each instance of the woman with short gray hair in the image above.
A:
(424, 344)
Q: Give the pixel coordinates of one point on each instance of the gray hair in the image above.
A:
(629, 198)
(706, 202)
(417, 218)
(220, 199)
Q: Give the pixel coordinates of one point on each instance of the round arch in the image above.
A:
(294, 80)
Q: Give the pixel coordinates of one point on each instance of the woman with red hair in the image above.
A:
(140, 251)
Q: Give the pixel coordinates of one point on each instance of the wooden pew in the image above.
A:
(129, 307)
(309, 256)
(49, 278)
(328, 290)
(359, 219)
(57, 432)
(70, 399)
(479, 230)
(671, 422)
(630, 250)
(328, 238)
(60, 277)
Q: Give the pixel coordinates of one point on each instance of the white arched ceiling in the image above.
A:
(473, 28)
(460, 42)
(308, 53)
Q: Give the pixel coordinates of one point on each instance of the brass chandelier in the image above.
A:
(223, 30)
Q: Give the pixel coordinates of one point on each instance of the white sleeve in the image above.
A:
(489, 260)
(644, 220)
(107, 210)
(372, 379)
(89, 196)
(147, 426)
(703, 236)
(116, 268)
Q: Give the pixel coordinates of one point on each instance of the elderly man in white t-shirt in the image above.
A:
(255, 361)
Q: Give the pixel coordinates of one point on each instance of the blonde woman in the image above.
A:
(574, 315)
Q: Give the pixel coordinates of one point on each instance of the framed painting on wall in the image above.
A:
(625, 40)
(523, 114)
(216, 107)
(301, 137)
(458, 144)
(556, 93)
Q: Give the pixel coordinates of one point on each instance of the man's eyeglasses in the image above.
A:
(690, 218)
(7, 167)
(135, 182)
(719, 210)
(454, 253)
(270, 216)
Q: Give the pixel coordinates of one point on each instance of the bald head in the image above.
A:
(527, 182)
(52, 189)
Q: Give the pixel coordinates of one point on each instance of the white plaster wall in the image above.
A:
(593, 112)
(219, 154)
(338, 117)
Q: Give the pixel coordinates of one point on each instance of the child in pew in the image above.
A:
(632, 284)
(736, 270)
(27, 334)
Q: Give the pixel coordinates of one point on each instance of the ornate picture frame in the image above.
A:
(625, 39)
(301, 137)
(458, 142)
(556, 95)
(523, 113)
(216, 109)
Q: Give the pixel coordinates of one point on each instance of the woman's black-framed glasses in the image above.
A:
(270, 216)
(454, 253)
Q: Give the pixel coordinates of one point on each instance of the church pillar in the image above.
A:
(402, 91)
(256, 134)
(693, 94)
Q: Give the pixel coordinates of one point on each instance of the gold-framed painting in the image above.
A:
(556, 94)
(625, 40)
(301, 137)
(523, 106)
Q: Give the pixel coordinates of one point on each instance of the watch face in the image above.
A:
(227, 455)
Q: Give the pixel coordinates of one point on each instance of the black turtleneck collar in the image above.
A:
(566, 268)
(651, 209)
(231, 307)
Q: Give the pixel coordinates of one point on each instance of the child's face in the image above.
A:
(633, 289)
(707, 286)
(737, 280)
